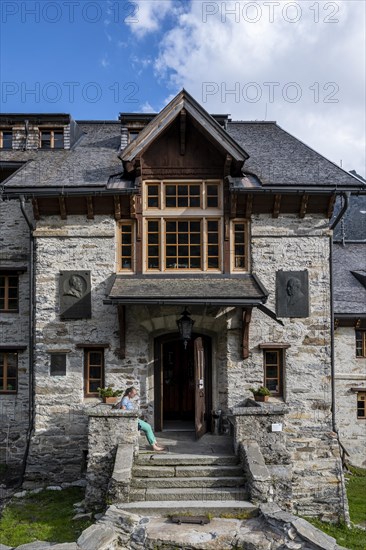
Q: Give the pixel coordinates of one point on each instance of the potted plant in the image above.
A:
(109, 395)
(261, 393)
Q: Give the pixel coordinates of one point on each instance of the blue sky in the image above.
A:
(301, 63)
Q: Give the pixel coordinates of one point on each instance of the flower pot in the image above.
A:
(261, 398)
(110, 400)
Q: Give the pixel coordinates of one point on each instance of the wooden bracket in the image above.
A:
(249, 206)
(62, 205)
(304, 205)
(233, 205)
(35, 209)
(89, 208)
(331, 206)
(276, 206)
(122, 330)
(358, 323)
(117, 208)
(246, 317)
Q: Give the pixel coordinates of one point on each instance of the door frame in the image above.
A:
(158, 375)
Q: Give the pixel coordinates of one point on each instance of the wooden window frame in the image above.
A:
(280, 365)
(361, 398)
(360, 336)
(7, 276)
(87, 379)
(120, 267)
(204, 197)
(52, 132)
(204, 244)
(5, 353)
(6, 131)
(235, 222)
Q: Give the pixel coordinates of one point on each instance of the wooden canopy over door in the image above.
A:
(200, 391)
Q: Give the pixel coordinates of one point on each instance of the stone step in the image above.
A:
(187, 471)
(214, 507)
(171, 459)
(190, 493)
(179, 482)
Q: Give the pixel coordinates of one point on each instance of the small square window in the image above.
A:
(361, 405)
(8, 372)
(52, 139)
(6, 139)
(93, 371)
(58, 364)
(9, 292)
(360, 343)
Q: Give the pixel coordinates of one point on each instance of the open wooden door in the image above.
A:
(200, 393)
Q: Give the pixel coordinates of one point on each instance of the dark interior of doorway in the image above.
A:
(178, 385)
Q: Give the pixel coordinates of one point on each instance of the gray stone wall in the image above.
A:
(14, 330)
(350, 373)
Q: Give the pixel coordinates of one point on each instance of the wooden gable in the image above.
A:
(182, 151)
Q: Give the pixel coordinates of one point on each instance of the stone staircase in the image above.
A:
(181, 483)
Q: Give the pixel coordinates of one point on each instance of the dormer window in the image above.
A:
(132, 135)
(52, 139)
(6, 139)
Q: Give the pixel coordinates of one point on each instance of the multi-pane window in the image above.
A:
(9, 292)
(52, 139)
(6, 139)
(8, 372)
(273, 371)
(93, 371)
(191, 241)
(126, 245)
(361, 404)
(239, 238)
(187, 244)
(360, 343)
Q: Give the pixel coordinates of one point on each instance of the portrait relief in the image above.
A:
(75, 295)
(292, 294)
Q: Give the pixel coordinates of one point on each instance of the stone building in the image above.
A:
(114, 231)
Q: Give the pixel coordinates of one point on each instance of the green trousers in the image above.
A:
(147, 429)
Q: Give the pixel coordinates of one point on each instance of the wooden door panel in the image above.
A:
(200, 396)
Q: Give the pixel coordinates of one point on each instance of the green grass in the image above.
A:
(356, 492)
(44, 516)
(353, 538)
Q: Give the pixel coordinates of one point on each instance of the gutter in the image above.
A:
(31, 411)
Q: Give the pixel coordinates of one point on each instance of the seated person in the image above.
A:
(127, 405)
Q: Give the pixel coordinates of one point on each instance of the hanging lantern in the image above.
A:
(185, 325)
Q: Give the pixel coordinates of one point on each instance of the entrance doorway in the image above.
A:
(183, 383)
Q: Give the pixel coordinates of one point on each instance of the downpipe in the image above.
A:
(31, 400)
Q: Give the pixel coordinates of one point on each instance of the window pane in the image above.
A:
(46, 140)
(7, 140)
(183, 227)
(170, 190)
(195, 202)
(213, 263)
(153, 226)
(182, 202)
(95, 358)
(271, 357)
(94, 385)
(271, 372)
(153, 263)
(58, 140)
(196, 227)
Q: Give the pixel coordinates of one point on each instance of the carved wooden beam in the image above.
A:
(331, 206)
(304, 205)
(227, 165)
(122, 330)
(117, 208)
(336, 323)
(62, 205)
(138, 167)
(89, 208)
(35, 209)
(249, 206)
(276, 206)
(246, 316)
(183, 126)
(358, 323)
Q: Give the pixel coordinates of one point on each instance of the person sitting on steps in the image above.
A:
(127, 405)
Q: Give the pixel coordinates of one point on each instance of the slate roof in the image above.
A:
(188, 290)
(353, 224)
(278, 158)
(89, 163)
(349, 292)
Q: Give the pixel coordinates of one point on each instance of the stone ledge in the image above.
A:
(106, 411)
(259, 409)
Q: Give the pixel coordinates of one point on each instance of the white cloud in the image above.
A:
(105, 62)
(146, 16)
(322, 54)
(147, 108)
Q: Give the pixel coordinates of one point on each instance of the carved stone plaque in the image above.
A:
(292, 293)
(75, 295)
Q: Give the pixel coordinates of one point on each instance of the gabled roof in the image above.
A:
(349, 291)
(205, 122)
